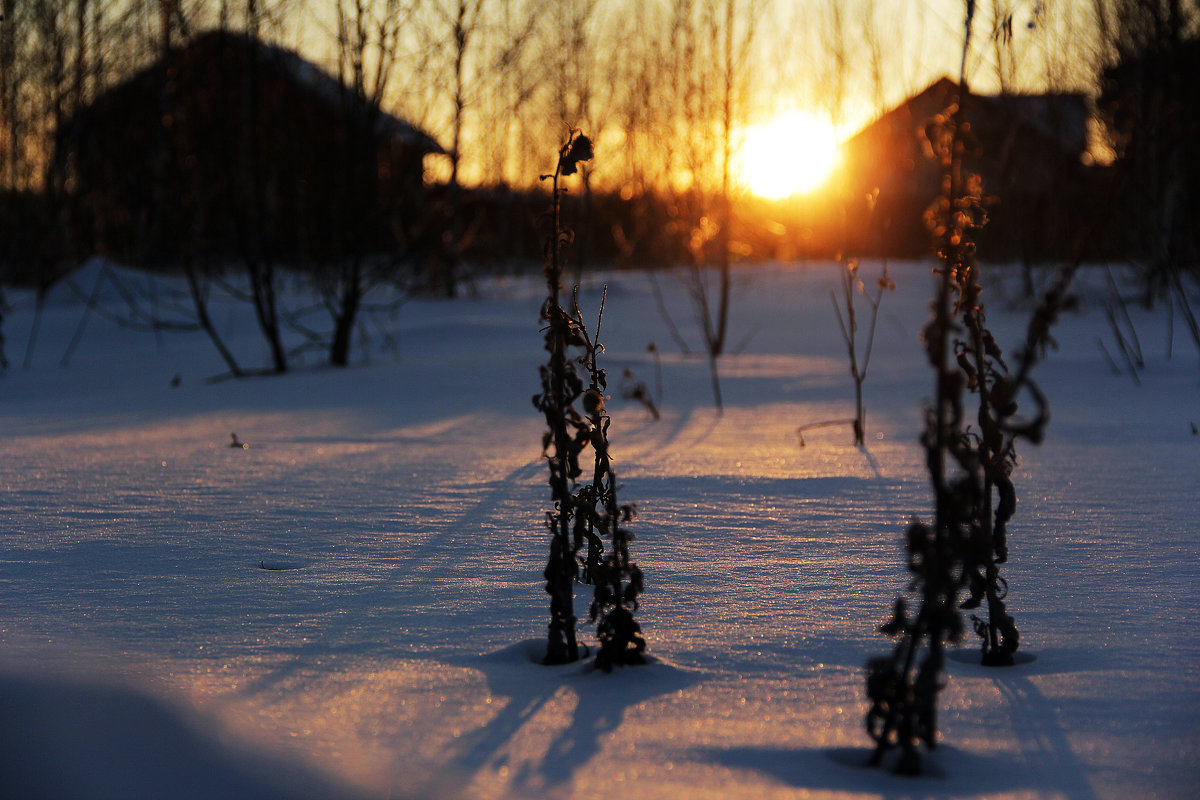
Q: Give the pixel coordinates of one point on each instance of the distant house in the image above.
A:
(229, 147)
(1030, 153)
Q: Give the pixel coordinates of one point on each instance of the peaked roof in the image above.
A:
(1059, 118)
(1029, 142)
(217, 46)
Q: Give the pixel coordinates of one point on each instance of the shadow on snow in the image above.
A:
(600, 703)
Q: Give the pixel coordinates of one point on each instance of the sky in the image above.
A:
(846, 61)
(801, 51)
(895, 48)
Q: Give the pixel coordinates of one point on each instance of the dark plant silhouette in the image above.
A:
(633, 389)
(961, 551)
(567, 432)
(970, 468)
(583, 516)
(903, 688)
(617, 580)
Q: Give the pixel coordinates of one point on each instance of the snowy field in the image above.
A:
(387, 649)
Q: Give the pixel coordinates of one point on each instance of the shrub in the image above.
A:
(970, 467)
(582, 517)
(617, 580)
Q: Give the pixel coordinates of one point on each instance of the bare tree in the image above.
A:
(50, 55)
(1148, 101)
(450, 32)
(1148, 53)
(726, 31)
(479, 76)
(15, 72)
(369, 39)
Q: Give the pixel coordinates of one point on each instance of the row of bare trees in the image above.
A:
(668, 84)
(668, 87)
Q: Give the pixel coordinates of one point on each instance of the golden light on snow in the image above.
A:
(794, 153)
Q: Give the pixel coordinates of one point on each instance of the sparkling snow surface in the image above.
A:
(352, 605)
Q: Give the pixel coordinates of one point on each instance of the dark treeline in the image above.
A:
(499, 227)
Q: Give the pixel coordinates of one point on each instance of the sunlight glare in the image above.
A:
(791, 154)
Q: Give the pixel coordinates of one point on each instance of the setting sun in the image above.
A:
(793, 153)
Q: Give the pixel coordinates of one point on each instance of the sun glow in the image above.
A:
(791, 154)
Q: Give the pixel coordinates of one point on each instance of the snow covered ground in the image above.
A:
(388, 647)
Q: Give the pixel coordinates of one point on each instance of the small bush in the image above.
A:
(970, 462)
(588, 540)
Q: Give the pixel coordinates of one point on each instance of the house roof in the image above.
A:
(1025, 140)
(218, 45)
(1059, 118)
